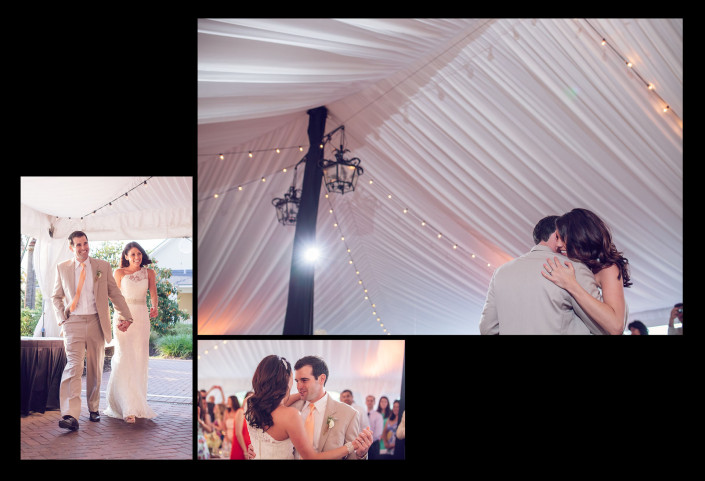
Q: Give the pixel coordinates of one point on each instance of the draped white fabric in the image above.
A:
(479, 127)
(160, 209)
(363, 366)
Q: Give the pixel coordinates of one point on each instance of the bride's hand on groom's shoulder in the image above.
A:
(292, 399)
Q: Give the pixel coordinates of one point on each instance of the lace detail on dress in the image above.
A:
(138, 276)
(266, 447)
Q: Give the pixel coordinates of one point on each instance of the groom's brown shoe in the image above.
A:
(69, 422)
(94, 416)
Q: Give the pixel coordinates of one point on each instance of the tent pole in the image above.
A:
(299, 309)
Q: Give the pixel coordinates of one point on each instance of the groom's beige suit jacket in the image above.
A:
(521, 301)
(346, 425)
(104, 288)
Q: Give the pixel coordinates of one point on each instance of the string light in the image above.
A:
(110, 204)
(251, 153)
(241, 187)
(405, 210)
(357, 271)
(650, 86)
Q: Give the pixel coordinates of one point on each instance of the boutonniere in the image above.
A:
(330, 422)
(97, 276)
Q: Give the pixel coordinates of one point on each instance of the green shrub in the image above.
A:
(28, 321)
(176, 345)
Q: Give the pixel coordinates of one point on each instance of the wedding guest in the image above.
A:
(389, 433)
(401, 437)
(376, 426)
(219, 427)
(520, 302)
(203, 415)
(676, 313)
(401, 429)
(235, 423)
(201, 443)
(346, 396)
(210, 402)
(243, 428)
(384, 409)
(637, 328)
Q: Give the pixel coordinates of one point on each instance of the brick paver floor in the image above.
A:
(168, 436)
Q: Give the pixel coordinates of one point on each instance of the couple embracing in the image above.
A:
(82, 288)
(306, 425)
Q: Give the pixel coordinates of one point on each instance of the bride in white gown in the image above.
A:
(276, 429)
(127, 387)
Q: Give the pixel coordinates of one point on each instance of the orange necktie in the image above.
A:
(309, 423)
(81, 278)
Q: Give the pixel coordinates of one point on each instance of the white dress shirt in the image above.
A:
(364, 420)
(376, 424)
(86, 301)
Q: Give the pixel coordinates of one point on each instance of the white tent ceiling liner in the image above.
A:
(363, 366)
(479, 127)
(160, 209)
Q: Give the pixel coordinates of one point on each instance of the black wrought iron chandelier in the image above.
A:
(288, 207)
(340, 175)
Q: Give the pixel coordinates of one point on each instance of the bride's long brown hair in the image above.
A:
(270, 384)
(589, 241)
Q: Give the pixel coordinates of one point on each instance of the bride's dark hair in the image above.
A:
(270, 384)
(145, 258)
(589, 241)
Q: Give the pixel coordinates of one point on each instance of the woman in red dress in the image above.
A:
(240, 436)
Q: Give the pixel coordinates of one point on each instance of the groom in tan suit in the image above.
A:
(329, 423)
(81, 291)
(521, 301)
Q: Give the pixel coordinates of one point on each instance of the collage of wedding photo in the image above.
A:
(239, 266)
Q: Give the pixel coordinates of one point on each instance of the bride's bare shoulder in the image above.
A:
(282, 410)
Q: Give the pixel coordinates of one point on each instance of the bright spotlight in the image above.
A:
(311, 254)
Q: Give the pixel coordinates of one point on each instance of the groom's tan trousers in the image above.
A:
(83, 338)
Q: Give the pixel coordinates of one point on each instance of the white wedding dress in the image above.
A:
(127, 387)
(266, 447)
